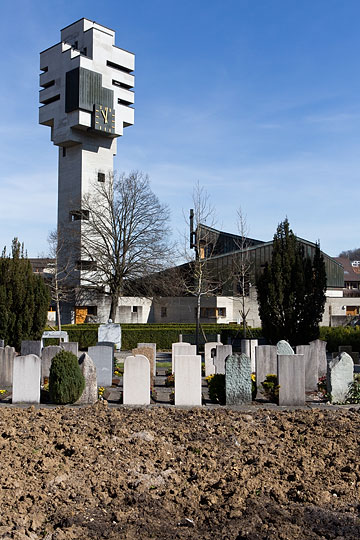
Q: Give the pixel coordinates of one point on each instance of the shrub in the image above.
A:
(271, 388)
(216, 384)
(66, 381)
(354, 391)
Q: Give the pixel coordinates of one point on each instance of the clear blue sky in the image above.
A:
(258, 100)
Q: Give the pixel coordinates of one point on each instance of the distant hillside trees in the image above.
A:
(352, 254)
(291, 290)
(24, 298)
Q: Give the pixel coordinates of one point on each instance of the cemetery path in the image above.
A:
(164, 473)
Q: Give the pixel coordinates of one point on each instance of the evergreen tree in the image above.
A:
(291, 290)
(24, 298)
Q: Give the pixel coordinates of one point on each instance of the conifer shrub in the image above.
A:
(66, 381)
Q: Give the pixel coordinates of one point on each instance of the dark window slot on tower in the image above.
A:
(119, 68)
(64, 151)
(77, 215)
(101, 177)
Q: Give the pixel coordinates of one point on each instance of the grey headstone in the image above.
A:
(340, 374)
(90, 393)
(248, 348)
(102, 356)
(7, 355)
(311, 367)
(222, 352)
(238, 379)
(291, 378)
(71, 346)
(26, 379)
(265, 363)
(47, 356)
(110, 332)
(31, 347)
(283, 347)
(318, 355)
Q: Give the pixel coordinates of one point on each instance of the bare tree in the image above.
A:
(199, 281)
(61, 267)
(242, 267)
(126, 236)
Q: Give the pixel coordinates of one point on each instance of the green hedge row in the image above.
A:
(340, 335)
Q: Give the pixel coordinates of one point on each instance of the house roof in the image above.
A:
(349, 273)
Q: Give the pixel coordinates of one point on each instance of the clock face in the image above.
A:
(104, 119)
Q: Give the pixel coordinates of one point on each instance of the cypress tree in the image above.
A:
(24, 298)
(291, 290)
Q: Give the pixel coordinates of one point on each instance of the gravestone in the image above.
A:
(88, 369)
(222, 351)
(26, 379)
(311, 368)
(61, 335)
(110, 332)
(153, 346)
(209, 354)
(291, 378)
(31, 347)
(238, 379)
(265, 363)
(248, 347)
(183, 349)
(188, 380)
(2, 343)
(47, 355)
(340, 374)
(7, 355)
(102, 356)
(148, 352)
(283, 347)
(71, 346)
(136, 381)
(318, 356)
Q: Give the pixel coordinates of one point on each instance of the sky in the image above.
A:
(257, 100)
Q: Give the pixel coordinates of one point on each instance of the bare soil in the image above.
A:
(164, 473)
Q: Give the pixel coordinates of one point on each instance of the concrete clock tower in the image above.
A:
(86, 99)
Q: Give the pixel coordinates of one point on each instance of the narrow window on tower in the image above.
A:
(101, 177)
(76, 215)
(64, 151)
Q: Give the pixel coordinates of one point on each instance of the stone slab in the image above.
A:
(340, 374)
(181, 348)
(148, 352)
(265, 363)
(222, 351)
(88, 369)
(248, 347)
(318, 354)
(209, 355)
(2, 343)
(31, 347)
(188, 380)
(311, 367)
(103, 358)
(26, 379)
(55, 334)
(291, 378)
(71, 346)
(47, 355)
(153, 346)
(238, 379)
(7, 355)
(136, 381)
(284, 347)
(110, 332)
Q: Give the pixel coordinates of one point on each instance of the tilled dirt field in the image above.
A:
(97, 472)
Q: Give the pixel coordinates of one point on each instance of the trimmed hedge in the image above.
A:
(340, 335)
(161, 334)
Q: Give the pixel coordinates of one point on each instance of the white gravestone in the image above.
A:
(7, 355)
(102, 356)
(26, 379)
(210, 350)
(61, 335)
(188, 380)
(339, 376)
(136, 381)
(110, 332)
(222, 352)
(183, 349)
(248, 347)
